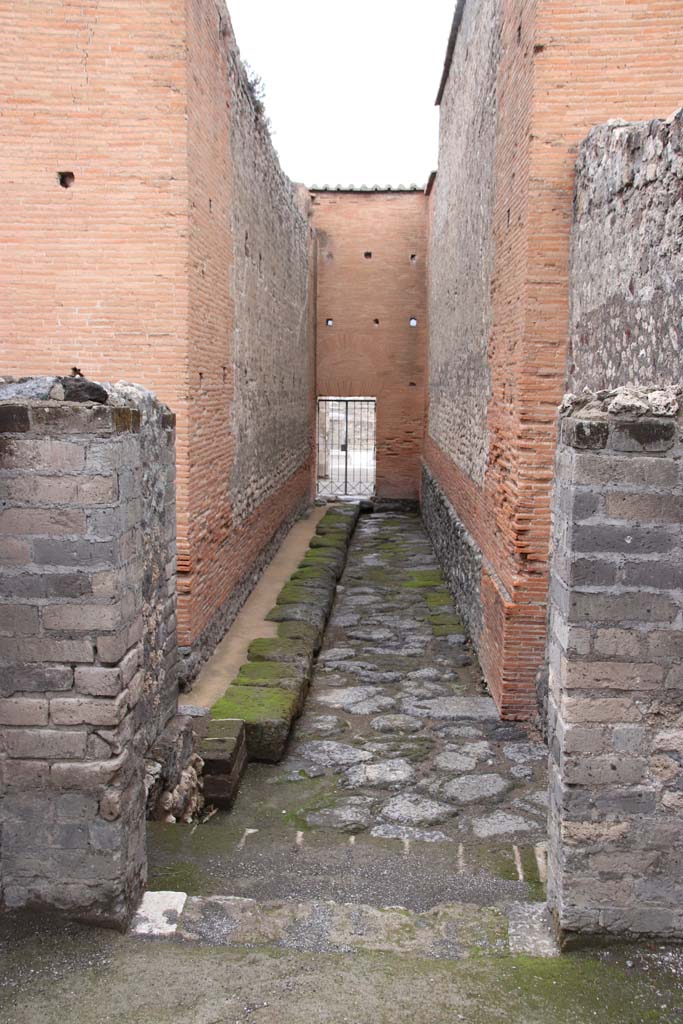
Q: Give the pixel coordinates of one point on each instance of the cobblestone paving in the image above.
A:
(397, 711)
(400, 784)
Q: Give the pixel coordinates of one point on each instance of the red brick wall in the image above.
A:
(356, 357)
(564, 67)
(130, 272)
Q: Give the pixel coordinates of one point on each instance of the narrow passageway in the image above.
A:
(400, 785)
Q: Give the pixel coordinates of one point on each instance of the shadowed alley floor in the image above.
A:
(400, 785)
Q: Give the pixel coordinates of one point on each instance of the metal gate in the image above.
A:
(346, 447)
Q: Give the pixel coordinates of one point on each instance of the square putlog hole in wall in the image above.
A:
(367, 255)
(329, 322)
(413, 321)
(66, 178)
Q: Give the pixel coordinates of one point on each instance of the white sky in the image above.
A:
(350, 84)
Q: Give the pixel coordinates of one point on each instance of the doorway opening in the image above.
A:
(346, 447)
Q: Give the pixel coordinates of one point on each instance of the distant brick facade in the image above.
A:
(137, 270)
(384, 359)
(549, 70)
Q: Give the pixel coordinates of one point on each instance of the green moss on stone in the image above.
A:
(303, 592)
(299, 631)
(264, 672)
(313, 572)
(438, 599)
(425, 578)
(255, 704)
(332, 522)
(276, 649)
(448, 619)
(336, 540)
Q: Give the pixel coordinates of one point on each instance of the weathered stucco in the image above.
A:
(627, 256)
(462, 245)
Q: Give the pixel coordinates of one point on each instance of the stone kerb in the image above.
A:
(254, 717)
(615, 719)
(88, 656)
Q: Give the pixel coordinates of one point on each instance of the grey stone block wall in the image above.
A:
(458, 554)
(615, 700)
(88, 654)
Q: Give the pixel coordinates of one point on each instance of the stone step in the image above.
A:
(269, 691)
(224, 752)
(451, 931)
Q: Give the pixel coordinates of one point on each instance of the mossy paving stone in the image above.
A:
(300, 631)
(425, 578)
(323, 574)
(297, 652)
(311, 613)
(267, 713)
(303, 592)
(336, 540)
(267, 673)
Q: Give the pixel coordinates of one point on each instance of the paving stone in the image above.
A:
(296, 771)
(481, 750)
(462, 659)
(452, 761)
(408, 832)
(158, 913)
(522, 753)
(425, 673)
(351, 815)
(344, 697)
(337, 654)
(342, 620)
(414, 809)
(321, 725)
(531, 931)
(499, 823)
(371, 673)
(477, 708)
(473, 788)
(527, 807)
(371, 635)
(372, 705)
(539, 797)
(423, 691)
(329, 753)
(455, 732)
(396, 723)
(387, 774)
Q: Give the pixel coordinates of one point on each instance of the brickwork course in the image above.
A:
(616, 688)
(88, 648)
(213, 322)
(372, 259)
(525, 81)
